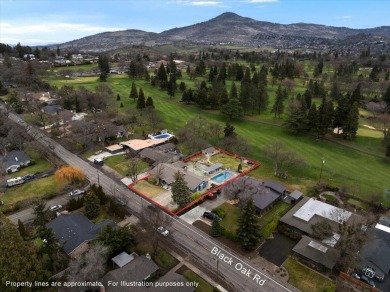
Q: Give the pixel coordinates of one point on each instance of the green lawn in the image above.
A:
(148, 189)
(270, 220)
(306, 279)
(228, 161)
(162, 257)
(343, 166)
(31, 190)
(203, 285)
(231, 218)
(357, 203)
(330, 198)
(120, 164)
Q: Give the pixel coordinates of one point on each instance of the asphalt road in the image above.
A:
(233, 268)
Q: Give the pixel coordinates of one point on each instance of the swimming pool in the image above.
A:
(161, 136)
(222, 177)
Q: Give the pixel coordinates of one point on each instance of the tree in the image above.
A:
(103, 76)
(133, 91)
(141, 100)
(116, 239)
(296, 119)
(232, 109)
(278, 107)
(22, 229)
(41, 214)
(133, 168)
(386, 98)
(216, 228)
(149, 103)
(321, 230)
(118, 97)
(103, 64)
(18, 259)
(229, 130)
(283, 159)
(181, 194)
(91, 205)
(248, 231)
(69, 174)
(352, 123)
(90, 266)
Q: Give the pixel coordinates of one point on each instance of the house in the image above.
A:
(316, 253)
(74, 231)
(168, 147)
(14, 160)
(115, 148)
(275, 186)
(295, 197)
(210, 151)
(66, 115)
(136, 145)
(376, 251)
(166, 173)
(53, 109)
(155, 155)
(138, 269)
(212, 168)
(266, 196)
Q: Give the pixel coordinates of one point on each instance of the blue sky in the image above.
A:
(33, 22)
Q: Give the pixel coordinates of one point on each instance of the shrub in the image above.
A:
(196, 196)
(220, 212)
(152, 180)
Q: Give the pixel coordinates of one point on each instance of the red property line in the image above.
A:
(256, 164)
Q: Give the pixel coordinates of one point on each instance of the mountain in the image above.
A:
(230, 28)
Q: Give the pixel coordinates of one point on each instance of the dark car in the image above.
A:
(210, 215)
(367, 281)
(152, 206)
(28, 176)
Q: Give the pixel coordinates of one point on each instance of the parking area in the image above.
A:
(276, 250)
(194, 214)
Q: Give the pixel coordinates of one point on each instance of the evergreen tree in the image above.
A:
(141, 100)
(341, 112)
(278, 107)
(386, 97)
(118, 97)
(91, 205)
(297, 119)
(133, 91)
(116, 239)
(103, 76)
(312, 118)
(149, 102)
(232, 110)
(22, 229)
(121, 105)
(352, 123)
(181, 194)
(356, 94)
(229, 130)
(248, 231)
(335, 92)
(233, 91)
(18, 259)
(216, 229)
(162, 76)
(308, 98)
(387, 153)
(262, 97)
(182, 86)
(103, 64)
(325, 117)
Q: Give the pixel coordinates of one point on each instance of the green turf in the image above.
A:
(231, 218)
(120, 164)
(343, 166)
(270, 220)
(203, 285)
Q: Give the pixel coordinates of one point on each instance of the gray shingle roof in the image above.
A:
(317, 252)
(277, 187)
(15, 157)
(166, 147)
(213, 167)
(74, 229)
(52, 109)
(135, 271)
(156, 155)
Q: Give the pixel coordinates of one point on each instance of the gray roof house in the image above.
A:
(14, 160)
(75, 230)
(137, 270)
(52, 109)
(166, 173)
(277, 187)
(166, 147)
(210, 151)
(159, 156)
(317, 253)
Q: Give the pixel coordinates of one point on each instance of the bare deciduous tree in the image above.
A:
(283, 159)
(243, 188)
(90, 266)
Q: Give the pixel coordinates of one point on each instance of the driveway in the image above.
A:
(165, 199)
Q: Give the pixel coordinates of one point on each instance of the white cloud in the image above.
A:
(260, 1)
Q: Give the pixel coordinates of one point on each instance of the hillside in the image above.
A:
(230, 28)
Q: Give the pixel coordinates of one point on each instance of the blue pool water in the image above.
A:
(222, 177)
(162, 136)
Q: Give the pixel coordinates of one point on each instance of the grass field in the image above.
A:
(162, 257)
(228, 161)
(231, 218)
(148, 189)
(343, 166)
(31, 190)
(269, 221)
(120, 164)
(304, 278)
(358, 204)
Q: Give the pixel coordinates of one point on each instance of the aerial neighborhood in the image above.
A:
(228, 155)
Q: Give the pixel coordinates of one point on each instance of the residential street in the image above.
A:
(231, 267)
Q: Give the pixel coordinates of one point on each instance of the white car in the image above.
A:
(164, 232)
(55, 207)
(76, 192)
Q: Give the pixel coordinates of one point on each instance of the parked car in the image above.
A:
(98, 161)
(28, 176)
(163, 231)
(210, 215)
(76, 192)
(55, 207)
(152, 206)
(367, 281)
